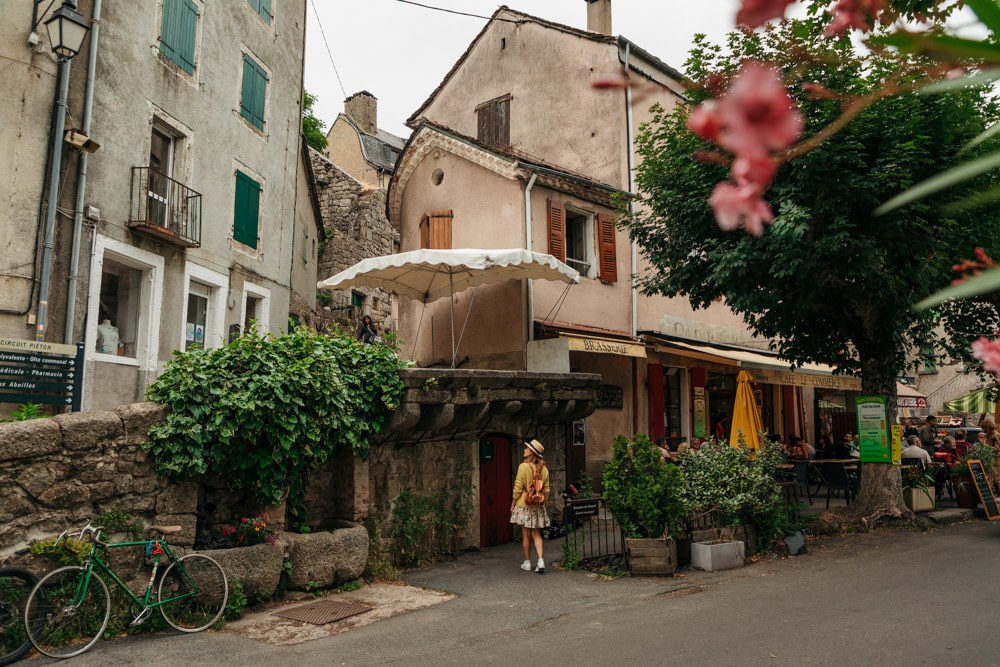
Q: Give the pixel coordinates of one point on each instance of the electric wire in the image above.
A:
(327, 44)
(452, 11)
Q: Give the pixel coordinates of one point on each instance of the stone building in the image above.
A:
(192, 219)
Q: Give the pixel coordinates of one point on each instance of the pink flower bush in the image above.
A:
(988, 352)
(755, 118)
(857, 14)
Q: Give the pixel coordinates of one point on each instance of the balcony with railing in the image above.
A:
(164, 209)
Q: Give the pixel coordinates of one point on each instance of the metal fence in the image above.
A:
(591, 529)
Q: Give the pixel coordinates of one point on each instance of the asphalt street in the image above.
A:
(889, 597)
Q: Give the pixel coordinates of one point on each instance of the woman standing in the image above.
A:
(366, 331)
(531, 518)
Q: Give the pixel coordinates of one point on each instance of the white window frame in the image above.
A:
(264, 294)
(150, 302)
(215, 320)
(588, 265)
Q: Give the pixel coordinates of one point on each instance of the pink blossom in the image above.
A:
(756, 170)
(988, 352)
(757, 114)
(755, 13)
(858, 14)
(704, 121)
(740, 206)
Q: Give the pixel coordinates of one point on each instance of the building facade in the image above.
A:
(515, 148)
(195, 216)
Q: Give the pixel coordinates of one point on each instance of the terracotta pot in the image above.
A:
(965, 494)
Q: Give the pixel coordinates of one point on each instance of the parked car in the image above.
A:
(970, 432)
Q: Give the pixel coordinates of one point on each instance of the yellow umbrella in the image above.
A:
(746, 422)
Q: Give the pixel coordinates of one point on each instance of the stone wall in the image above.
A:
(59, 473)
(356, 228)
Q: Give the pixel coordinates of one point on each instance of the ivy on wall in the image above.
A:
(264, 410)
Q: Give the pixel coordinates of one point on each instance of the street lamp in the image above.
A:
(67, 29)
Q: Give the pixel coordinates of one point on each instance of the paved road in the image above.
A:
(892, 597)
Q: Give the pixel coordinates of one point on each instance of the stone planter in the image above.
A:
(651, 556)
(717, 555)
(919, 500)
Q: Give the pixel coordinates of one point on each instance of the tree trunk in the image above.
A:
(881, 495)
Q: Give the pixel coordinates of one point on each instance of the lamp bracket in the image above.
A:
(36, 16)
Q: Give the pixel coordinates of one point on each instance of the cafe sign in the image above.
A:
(873, 429)
(606, 346)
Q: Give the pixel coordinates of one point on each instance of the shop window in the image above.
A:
(127, 298)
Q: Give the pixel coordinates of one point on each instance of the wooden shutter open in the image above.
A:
(557, 230)
(246, 214)
(608, 258)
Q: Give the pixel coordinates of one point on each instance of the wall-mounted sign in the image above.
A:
(39, 372)
(606, 346)
(873, 429)
(610, 396)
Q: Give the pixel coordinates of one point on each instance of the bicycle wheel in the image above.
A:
(64, 615)
(15, 585)
(201, 589)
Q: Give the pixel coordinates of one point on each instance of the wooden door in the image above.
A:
(496, 480)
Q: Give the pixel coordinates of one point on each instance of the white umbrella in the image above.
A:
(429, 275)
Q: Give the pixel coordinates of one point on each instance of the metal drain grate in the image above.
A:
(322, 612)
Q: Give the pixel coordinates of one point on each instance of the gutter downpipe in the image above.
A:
(62, 92)
(632, 245)
(81, 177)
(527, 246)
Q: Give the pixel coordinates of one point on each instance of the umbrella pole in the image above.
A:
(451, 300)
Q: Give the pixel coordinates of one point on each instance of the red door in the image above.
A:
(495, 483)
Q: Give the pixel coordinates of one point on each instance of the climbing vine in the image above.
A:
(264, 410)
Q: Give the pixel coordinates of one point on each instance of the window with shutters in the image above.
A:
(493, 122)
(263, 7)
(583, 240)
(253, 94)
(246, 210)
(178, 30)
(435, 229)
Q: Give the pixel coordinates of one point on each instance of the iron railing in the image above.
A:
(592, 530)
(164, 208)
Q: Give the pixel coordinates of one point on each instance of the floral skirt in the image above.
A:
(530, 517)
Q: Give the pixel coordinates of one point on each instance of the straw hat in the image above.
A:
(536, 448)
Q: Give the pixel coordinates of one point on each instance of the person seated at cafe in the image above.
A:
(661, 447)
(961, 444)
(842, 450)
(682, 447)
(915, 450)
(948, 456)
(909, 429)
(795, 450)
(825, 448)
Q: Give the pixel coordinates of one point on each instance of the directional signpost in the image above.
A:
(39, 372)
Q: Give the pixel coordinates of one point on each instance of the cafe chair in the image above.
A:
(837, 479)
(913, 461)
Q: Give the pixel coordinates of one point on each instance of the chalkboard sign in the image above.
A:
(983, 489)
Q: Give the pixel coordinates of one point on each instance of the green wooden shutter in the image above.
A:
(263, 7)
(178, 28)
(246, 210)
(254, 92)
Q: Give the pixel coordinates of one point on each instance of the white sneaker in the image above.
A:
(540, 568)
(526, 566)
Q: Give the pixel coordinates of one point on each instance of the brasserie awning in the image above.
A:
(977, 401)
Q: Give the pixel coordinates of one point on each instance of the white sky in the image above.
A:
(400, 52)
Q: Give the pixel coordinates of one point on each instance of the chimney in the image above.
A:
(362, 108)
(599, 16)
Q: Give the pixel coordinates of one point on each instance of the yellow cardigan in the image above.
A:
(523, 479)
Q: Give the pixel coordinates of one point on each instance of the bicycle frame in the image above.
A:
(145, 603)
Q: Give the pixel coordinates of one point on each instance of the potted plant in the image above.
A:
(917, 484)
(643, 495)
(961, 476)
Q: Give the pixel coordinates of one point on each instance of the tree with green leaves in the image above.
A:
(828, 281)
(312, 127)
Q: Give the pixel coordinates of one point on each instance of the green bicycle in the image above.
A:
(68, 610)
